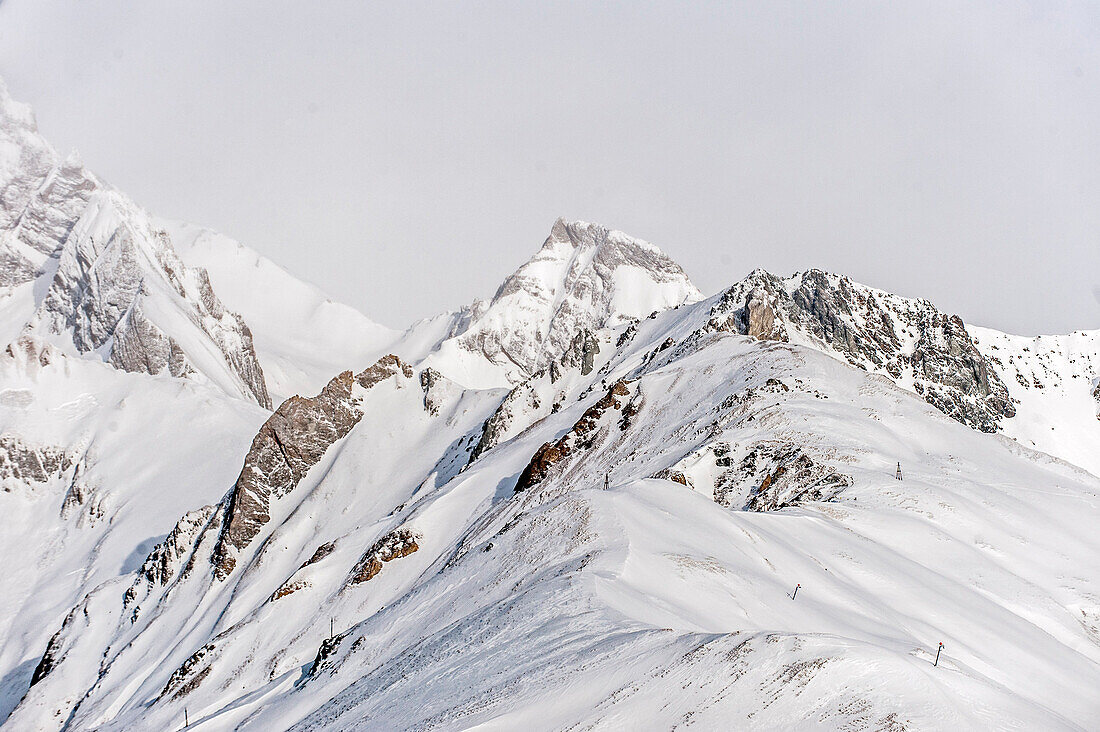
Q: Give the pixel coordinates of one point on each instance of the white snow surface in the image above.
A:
(1055, 380)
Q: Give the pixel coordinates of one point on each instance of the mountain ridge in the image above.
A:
(584, 501)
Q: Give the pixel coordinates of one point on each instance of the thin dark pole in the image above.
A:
(330, 633)
(937, 662)
(186, 723)
(795, 591)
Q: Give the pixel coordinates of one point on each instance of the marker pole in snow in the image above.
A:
(937, 661)
(897, 476)
(606, 481)
(795, 594)
(186, 723)
(331, 635)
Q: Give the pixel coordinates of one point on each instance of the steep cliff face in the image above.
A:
(292, 441)
(41, 195)
(907, 340)
(106, 281)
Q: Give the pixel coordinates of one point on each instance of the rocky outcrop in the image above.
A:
(297, 582)
(31, 464)
(760, 316)
(189, 675)
(292, 441)
(675, 476)
(581, 354)
(167, 557)
(551, 453)
(908, 340)
(394, 545)
(791, 477)
(53, 654)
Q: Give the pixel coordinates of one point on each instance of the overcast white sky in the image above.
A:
(406, 156)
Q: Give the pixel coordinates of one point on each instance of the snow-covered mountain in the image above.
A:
(584, 278)
(85, 268)
(586, 502)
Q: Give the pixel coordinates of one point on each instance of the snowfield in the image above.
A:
(583, 503)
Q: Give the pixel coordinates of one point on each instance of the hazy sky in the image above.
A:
(406, 157)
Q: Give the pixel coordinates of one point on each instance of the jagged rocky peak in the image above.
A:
(41, 195)
(585, 277)
(289, 443)
(120, 290)
(909, 340)
(113, 284)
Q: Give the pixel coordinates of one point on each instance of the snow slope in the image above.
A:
(1055, 381)
(564, 604)
(302, 337)
(130, 453)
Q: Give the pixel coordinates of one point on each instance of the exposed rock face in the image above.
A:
(760, 315)
(957, 379)
(551, 453)
(29, 464)
(394, 545)
(791, 477)
(112, 265)
(321, 552)
(429, 379)
(581, 354)
(117, 289)
(439, 391)
(41, 195)
(53, 654)
(173, 558)
(675, 476)
(167, 557)
(291, 442)
(584, 278)
(908, 340)
(189, 675)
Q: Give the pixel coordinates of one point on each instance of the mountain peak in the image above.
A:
(13, 113)
(85, 268)
(588, 235)
(584, 277)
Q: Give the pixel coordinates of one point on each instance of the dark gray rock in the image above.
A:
(908, 340)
